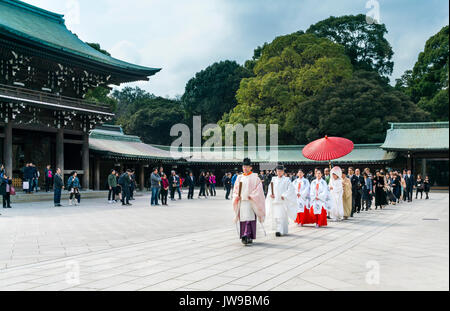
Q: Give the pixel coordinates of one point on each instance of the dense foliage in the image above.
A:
(364, 43)
(291, 69)
(212, 91)
(427, 82)
(359, 109)
(146, 115)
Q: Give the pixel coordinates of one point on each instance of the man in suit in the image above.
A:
(359, 188)
(410, 182)
(58, 185)
(190, 180)
(354, 182)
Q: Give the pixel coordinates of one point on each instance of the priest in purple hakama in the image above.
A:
(248, 202)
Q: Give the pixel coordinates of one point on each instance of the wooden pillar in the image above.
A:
(97, 174)
(60, 151)
(142, 177)
(85, 161)
(424, 168)
(409, 161)
(7, 149)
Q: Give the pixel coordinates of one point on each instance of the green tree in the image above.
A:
(98, 48)
(427, 83)
(212, 91)
(364, 43)
(146, 115)
(102, 95)
(359, 109)
(153, 122)
(290, 70)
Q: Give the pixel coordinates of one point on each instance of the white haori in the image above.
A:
(301, 187)
(319, 196)
(283, 206)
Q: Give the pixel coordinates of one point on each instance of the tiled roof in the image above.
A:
(114, 143)
(363, 153)
(423, 136)
(47, 29)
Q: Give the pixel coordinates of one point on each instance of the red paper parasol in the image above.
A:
(328, 148)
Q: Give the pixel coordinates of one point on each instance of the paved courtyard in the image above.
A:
(192, 245)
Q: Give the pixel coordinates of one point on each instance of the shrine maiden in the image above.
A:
(336, 186)
(281, 203)
(301, 187)
(248, 202)
(319, 196)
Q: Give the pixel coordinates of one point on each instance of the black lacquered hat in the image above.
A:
(247, 162)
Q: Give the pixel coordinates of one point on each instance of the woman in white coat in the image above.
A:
(337, 192)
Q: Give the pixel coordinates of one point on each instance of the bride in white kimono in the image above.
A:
(337, 192)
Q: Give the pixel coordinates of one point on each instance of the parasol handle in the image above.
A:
(240, 189)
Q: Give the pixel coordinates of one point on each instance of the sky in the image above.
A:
(185, 36)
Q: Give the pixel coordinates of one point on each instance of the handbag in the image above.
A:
(26, 185)
(12, 190)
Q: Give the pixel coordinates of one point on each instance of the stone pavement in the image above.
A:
(192, 245)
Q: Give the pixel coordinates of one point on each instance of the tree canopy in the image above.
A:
(290, 70)
(359, 109)
(212, 91)
(146, 115)
(427, 82)
(364, 43)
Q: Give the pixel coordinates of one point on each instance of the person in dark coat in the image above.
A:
(354, 182)
(190, 181)
(380, 195)
(202, 182)
(124, 182)
(419, 186)
(426, 187)
(359, 189)
(28, 176)
(410, 183)
(5, 190)
(227, 183)
(58, 185)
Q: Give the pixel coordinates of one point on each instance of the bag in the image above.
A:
(26, 185)
(12, 191)
(50, 174)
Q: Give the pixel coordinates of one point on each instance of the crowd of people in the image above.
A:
(161, 186)
(359, 191)
(316, 197)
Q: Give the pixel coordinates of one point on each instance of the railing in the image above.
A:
(24, 93)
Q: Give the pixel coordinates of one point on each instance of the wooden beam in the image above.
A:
(73, 141)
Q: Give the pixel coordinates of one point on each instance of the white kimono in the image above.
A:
(319, 196)
(337, 193)
(278, 210)
(301, 187)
